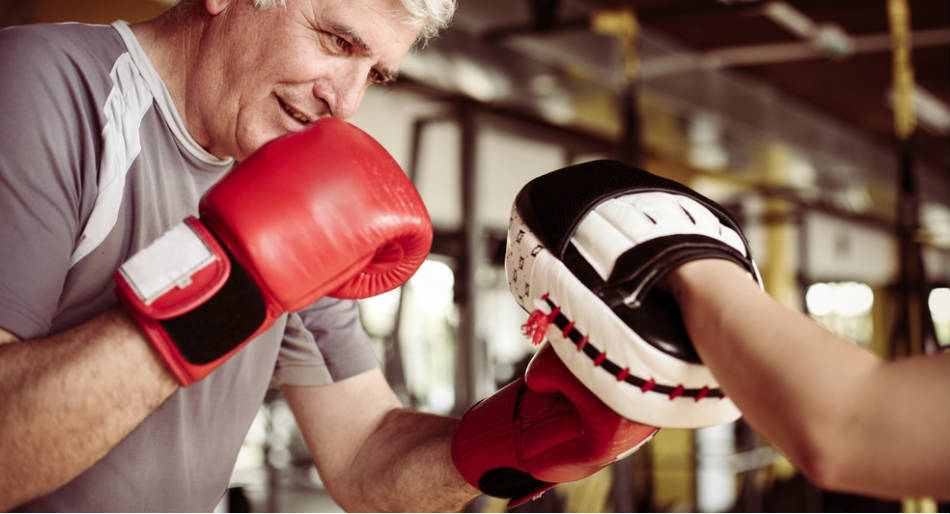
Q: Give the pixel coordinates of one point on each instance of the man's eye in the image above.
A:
(341, 44)
(376, 77)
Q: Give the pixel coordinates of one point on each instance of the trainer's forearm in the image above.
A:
(406, 466)
(69, 398)
(770, 360)
(847, 419)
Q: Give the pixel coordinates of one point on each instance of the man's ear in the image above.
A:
(215, 7)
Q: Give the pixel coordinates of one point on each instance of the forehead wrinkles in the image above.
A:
(373, 39)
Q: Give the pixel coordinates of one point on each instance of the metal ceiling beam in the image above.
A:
(759, 55)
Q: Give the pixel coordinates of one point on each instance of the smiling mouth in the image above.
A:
(293, 113)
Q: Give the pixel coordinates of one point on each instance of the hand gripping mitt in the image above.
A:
(587, 245)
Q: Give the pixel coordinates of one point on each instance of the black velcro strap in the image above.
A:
(664, 254)
(219, 325)
(509, 483)
(655, 317)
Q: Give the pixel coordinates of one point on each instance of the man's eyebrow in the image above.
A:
(389, 75)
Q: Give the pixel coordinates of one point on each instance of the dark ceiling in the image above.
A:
(852, 86)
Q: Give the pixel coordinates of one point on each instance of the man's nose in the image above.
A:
(349, 85)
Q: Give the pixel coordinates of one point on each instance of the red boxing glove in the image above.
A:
(322, 212)
(538, 431)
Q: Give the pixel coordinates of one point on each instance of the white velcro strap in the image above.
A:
(617, 225)
(166, 263)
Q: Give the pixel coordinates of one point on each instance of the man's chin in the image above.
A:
(251, 144)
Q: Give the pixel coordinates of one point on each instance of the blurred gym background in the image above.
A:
(824, 126)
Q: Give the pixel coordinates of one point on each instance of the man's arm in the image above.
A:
(847, 419)
(69, 398)
(374, 455)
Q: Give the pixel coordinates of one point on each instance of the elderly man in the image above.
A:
(113, 135)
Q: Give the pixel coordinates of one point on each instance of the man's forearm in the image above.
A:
(407, 466)
(69, 398)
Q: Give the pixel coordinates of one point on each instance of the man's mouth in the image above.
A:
(293, 113)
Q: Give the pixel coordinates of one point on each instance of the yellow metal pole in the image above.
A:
(912, 272)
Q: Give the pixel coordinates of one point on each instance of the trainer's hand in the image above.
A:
(325, 211)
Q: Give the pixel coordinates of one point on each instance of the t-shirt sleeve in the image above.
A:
(40, 178)
(324, 343)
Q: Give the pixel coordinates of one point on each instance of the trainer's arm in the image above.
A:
(372, 454)
(69, 398)
(847, 419)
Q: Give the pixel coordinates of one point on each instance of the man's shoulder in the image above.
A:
(64, 36)
(55, 46)
(56, 71)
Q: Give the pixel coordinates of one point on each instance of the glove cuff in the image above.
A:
(193, 300)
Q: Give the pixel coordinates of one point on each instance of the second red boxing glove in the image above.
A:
(322, 212)
(541, 430)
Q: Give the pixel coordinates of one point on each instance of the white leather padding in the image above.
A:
(618, 224)
(535, 277)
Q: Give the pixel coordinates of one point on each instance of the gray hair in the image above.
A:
(431, 16)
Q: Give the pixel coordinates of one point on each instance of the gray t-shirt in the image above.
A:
(95, 164)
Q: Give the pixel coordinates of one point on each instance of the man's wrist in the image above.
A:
(149, 358)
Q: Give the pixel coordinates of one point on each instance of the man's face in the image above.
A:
(265, 73)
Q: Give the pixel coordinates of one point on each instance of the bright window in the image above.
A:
(842, 307)
(939, 303)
